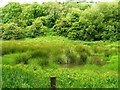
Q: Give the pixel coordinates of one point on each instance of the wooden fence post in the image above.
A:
(53, 82)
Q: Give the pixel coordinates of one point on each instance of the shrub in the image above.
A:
(27, 15)
(36, 29)
(10, 11)
(61, 27)
(73, 15)
(110, 20)
(12, 31)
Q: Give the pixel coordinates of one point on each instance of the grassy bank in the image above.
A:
(77, 64)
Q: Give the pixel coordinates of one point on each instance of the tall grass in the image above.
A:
(77, 64)
(59, 50)
(28, 76)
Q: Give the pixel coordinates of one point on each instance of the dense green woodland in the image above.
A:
(77, 21)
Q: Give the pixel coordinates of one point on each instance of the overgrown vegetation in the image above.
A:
(76, 42)
(35, 60)
(22, 76)
(59, 51)
(77, 21)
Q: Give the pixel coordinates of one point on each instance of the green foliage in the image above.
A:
(23, 58)
(38, 10)
(27, 15)
(19, 22)
(76, 64)
(12, 31)
(73, 15)
(83, 6)
(9, 59)
(24, 76)
(93, 23)
(77, 21)
(86, 27)
(10, 11)
(36, 29)
(50, 22)
(61, 27)
(47, 50)
(110, 19)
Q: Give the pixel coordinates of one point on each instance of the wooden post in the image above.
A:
(53, 82)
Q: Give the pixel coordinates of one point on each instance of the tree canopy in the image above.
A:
(81, 21)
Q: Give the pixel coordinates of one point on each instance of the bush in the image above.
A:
(73, 15)
(10, 11)
(36, 29)
(12, 31)
(110, 11)
(61, 27)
